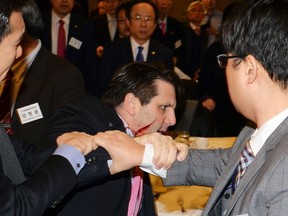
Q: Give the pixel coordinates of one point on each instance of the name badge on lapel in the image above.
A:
(75, 43)
(29, 113)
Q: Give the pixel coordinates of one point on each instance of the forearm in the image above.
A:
(49, 183)
(201, 167)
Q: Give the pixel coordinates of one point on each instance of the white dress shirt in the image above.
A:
(135, 46)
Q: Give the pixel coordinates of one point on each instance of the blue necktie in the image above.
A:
(139, 56)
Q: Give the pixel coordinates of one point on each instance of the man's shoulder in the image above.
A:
(52, 63)
(154, 44)
(78, 22)
(117, 45)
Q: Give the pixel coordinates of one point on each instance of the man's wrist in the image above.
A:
(147, 162)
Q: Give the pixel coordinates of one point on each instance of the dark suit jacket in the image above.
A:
(51, 81)
(119, 53)
(107, 195)
(101, 26)
(195, 47)
(50, 183)
(262, 190)
(83, 58)
(174, 39)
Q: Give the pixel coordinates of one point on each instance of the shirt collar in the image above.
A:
(110, 18)
(135, 46)
(164, 20)
(193, 26)
(56, 18)
(25, 62)
(261, 134)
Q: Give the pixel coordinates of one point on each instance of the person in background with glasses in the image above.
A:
(122, 26)
(141, 19)
(250, 178)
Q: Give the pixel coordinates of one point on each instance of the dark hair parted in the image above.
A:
(139, 79)
(32, 18)
(135, 2)
(260, 28)
(7, 7)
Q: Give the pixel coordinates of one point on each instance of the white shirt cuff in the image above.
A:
(147, 164)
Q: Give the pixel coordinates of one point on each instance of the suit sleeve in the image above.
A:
(83, 115)
(201, 167)
(54, 179)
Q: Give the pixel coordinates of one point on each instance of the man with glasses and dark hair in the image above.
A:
(250, 178)
(142, 19)
(122, 26)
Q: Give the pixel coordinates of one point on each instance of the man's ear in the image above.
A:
(130, 103)
(252, 68)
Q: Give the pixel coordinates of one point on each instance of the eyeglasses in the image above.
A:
(223, 59)
(146, 19)
(122, 21)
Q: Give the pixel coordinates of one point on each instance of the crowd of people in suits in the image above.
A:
(115, 34)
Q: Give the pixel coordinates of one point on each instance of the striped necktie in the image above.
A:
(246, 158)
(11, 166)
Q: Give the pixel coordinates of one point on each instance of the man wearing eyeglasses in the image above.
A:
(249, 178)
(141, 19)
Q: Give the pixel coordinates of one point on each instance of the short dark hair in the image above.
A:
(260, 28)
(139, 79)
(32, 18)
(133, 3)
(7, 7)
(123, 6)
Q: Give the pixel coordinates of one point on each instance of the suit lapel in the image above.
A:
(262, 156)
(106, 32)
(225, 177)
(152, 52)
(34, 77)
(74, 25)
(47, 31)
(126, 51)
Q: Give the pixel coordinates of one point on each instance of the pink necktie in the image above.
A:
(163, 27)
(61, 46)
(136, 186)
(136, 192)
